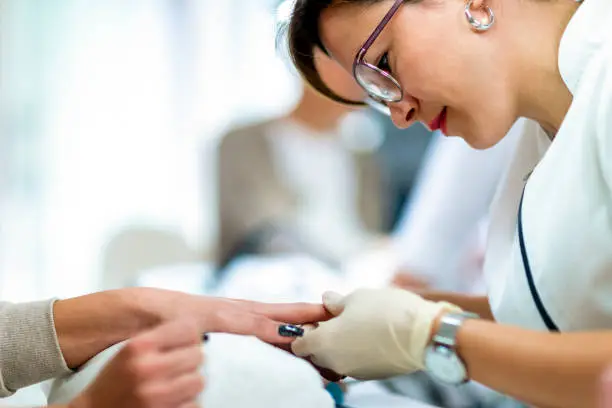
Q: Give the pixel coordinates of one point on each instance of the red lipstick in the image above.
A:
(439, 122)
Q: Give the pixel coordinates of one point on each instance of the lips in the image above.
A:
(439, 122)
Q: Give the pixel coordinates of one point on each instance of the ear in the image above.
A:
(478, 5)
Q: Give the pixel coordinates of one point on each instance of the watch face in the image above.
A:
(444, 365)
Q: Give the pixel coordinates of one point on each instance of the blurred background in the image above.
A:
(110, 118)
(110, 111)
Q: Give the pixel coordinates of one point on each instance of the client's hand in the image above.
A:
(89, 324)
(264, 319)
(376, 334)
(159, 368)
(237, 316)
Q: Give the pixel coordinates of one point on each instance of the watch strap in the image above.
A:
(449, 326)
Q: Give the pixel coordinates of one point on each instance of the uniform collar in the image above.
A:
(583, 37)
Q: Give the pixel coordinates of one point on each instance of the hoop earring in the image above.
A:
(478, 25)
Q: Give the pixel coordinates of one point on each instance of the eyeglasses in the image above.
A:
(380, 86)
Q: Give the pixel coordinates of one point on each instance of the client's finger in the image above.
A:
(295, 313)
(172, 335)
(178, 362)
(181, 390)
(241, 321)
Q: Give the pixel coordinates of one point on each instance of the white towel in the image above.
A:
(240, 372)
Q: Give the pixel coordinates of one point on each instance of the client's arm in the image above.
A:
(89, 324)
(29, 352)
(46, 340)
(42, 340)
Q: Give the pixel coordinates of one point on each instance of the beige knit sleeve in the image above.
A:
(29, 349)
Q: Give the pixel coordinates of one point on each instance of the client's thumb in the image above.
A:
(333, 302)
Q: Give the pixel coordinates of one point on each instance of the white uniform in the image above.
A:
(567, 208)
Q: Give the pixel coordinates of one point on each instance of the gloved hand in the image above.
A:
(377, 333)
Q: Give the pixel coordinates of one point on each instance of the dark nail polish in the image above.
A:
(205, 337)
(289, 330)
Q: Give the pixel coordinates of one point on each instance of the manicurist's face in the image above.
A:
(444, 67)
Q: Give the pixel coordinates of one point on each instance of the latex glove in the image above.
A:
(378, 333)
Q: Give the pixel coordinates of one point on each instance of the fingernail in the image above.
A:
(205, 337)
(289, 330)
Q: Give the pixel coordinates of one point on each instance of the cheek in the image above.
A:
(431, 70)
(415, 72)
(425, 39)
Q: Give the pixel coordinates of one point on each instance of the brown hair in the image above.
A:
(303, 38)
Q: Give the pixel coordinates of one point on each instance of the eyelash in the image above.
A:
(385, 66)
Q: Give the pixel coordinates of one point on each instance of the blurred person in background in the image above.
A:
(308, 182)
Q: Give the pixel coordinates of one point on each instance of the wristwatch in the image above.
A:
(441, 359)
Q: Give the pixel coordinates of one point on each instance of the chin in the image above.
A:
(481, 137)
(471, 138)
(481, 125)
(480, 144)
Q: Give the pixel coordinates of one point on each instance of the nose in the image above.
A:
(403, 113)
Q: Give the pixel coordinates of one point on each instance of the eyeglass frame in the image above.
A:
(360, 57)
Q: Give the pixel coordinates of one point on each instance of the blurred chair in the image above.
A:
(137, 249)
